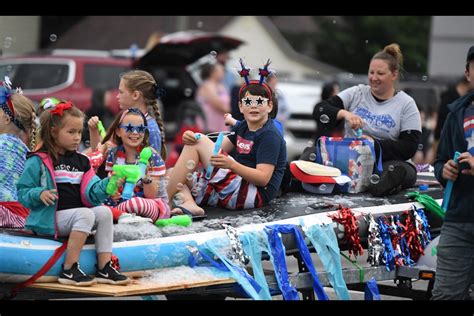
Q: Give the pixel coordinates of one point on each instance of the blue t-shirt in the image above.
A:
(154, 132)
(265, 145)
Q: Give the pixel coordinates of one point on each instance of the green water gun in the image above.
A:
(131, 173)
(145, 155)
(101, 129)
(181, 220)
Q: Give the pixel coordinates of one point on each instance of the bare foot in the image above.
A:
(189, 205)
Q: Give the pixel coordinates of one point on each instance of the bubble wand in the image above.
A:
(217, 147)
(449, 186)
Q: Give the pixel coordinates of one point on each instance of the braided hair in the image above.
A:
(145, 83)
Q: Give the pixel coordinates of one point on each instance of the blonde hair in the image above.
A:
(49, 120)
(144, 82)
(393, 56)
(25, 114)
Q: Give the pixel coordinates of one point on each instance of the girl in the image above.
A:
(250, 178)
(17, 128)
(61, 189)
(150, 198)
(137, 89)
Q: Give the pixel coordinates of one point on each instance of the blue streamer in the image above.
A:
(325, 242)
(388, 254)
(371, 292)
(289, 292)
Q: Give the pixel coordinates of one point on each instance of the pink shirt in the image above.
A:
(214, 118)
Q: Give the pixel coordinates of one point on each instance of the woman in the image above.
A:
(214, 98)
(387, 115)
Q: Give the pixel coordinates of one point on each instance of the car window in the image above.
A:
(102, 77)
(35, 76)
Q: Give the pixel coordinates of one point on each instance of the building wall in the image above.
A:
(19, 34)
(259, 46)
(451, 37)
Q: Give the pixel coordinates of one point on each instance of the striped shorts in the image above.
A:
(225, 189)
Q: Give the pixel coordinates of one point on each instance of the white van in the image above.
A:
(300, 127)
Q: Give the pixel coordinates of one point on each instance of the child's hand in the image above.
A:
(93, 122)
(222, 161)
(48, 197)
(189, 138)
(229, 120)
(467, 158)
(104, 148)
(450, 170)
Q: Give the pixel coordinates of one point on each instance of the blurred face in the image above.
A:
(218, 73)
(255, 108)
(68, 136)
(469, 73)
(131, 131)
(381, 79)
(125, 97)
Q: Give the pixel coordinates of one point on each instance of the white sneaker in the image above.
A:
(127, 218)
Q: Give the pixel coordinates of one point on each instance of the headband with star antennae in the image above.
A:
(245, 72)
(263, 72)
(6, 102)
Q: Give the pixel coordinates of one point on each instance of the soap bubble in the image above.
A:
(374, 179)
(324, 119)
(190, 164)
(188, 92)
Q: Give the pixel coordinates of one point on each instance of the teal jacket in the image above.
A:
(38, 176)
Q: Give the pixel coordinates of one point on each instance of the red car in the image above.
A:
(70, 75)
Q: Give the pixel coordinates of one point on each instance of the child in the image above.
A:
(454, 265)
(17, 128)
(61, 189)
(249, 179)
(137, 89)
(131, 135)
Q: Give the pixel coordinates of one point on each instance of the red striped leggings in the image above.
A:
(151, 208)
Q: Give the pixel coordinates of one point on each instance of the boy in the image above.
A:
(455, 268)
(248, 179)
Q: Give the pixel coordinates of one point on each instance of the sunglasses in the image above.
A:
(129, 128)
(254, 101)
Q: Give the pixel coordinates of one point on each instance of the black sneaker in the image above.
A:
(110, 275)
(75, 276)
(390, 182)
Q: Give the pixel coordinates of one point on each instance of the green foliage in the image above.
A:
(349, 42)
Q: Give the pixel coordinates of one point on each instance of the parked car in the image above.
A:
(301, 127)
(67, 74)
(175, 63)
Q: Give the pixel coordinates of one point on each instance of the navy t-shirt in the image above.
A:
(266, 145)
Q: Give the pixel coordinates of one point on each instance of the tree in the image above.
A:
(349, 42)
